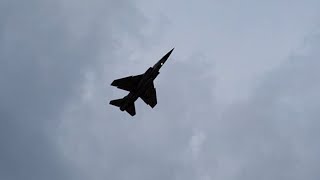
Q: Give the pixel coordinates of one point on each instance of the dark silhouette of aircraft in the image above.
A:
(139, 86)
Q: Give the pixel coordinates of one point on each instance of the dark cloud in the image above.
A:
(153, 144)
(45, 52)
(57, 60)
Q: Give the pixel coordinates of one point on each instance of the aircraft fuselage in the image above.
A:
(147, 79)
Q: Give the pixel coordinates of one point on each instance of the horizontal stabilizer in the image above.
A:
(131, 109)
(116, 102)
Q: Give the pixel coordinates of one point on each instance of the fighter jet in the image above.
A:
(139, 86)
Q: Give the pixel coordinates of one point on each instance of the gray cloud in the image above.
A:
(272, 135)
(155, 143)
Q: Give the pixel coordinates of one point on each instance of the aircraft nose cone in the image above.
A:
(165, 57)
(169, 53)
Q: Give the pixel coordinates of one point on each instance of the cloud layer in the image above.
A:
(58, 59)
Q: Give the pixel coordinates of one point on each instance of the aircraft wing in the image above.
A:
(127, 83)
(150, 96)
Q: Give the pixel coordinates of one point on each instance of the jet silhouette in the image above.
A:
(139, 86)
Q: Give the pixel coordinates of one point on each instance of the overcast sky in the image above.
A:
(237, 100)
